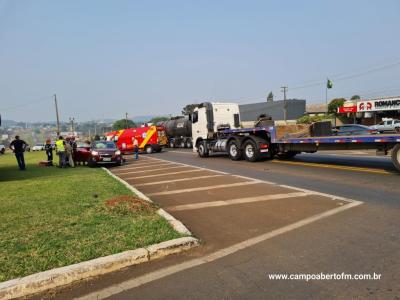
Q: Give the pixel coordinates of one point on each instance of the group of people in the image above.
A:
(65, 150)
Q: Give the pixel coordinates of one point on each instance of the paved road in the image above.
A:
(361, 239)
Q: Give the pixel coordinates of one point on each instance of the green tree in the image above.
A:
(188, 109)
(122, 124)
(155, 120)
(334, 104)
(270, 97)
(355, 97)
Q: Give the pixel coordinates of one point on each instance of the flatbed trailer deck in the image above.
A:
(288, 146)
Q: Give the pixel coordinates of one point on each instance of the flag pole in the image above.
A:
(326, 92)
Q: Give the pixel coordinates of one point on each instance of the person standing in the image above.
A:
(18, 147)
(60, 150)
(68, 151)
(135, 143)
(74, 148)
(49, 152)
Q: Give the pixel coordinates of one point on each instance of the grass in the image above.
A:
(51, 217)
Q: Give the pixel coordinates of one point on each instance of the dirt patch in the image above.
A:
(129, 204)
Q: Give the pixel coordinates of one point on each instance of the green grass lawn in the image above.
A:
(51, 217)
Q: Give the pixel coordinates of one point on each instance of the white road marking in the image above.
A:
(176, 180)
(236, 201)
(152, 170)
(128, 166)
(159, 274)
(136, 167)
(204, 188)
(164, 174)
(333, 197)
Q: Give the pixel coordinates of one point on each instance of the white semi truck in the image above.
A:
(216, 128)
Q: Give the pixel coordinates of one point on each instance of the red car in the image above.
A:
(104, 152)
(82, 154)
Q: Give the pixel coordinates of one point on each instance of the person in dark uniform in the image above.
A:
(18, 147)
(49, 152)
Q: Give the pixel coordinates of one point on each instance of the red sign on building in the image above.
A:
(347, 109)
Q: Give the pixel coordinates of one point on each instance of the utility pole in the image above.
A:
(58, 119)
(126, 120)
(72, 125)
(284, 89)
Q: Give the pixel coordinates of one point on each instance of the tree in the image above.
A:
(155, 120)
(270, 97)
(334, 104)
(122, 124)
(355, 97)
(188, 109)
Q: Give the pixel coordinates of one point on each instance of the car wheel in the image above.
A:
(148, 149)
(234, 151)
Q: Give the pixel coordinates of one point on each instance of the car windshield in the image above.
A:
(104, 145)
(82, 145)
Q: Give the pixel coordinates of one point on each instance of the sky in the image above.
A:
(105, 58)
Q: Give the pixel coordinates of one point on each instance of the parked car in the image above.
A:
(387, 125)
(2, 149)
(82, 154)
(104, 152)
(38, 147)
(353, 129)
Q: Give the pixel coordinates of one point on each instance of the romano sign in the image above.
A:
(379, 105)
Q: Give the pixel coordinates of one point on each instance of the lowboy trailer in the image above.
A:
(216, 129)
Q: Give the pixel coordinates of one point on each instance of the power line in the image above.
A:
(43, 99)
(344, 76)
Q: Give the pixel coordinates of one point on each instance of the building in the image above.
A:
(372, 111)
(316, 109)
(295, 109)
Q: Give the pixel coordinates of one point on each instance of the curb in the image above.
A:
(43, 281)
(46, 280)
(176, 224)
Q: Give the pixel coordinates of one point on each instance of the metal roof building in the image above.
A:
(295, 109)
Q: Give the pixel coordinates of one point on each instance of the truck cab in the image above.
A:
(387, 124)
(210, 118)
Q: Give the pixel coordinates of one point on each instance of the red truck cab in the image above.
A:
(151, 139)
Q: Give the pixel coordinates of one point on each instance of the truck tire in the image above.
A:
(189, 144)
(182, 144)
(202, 149)
(396, 156)
(171, 144)
(148, 149)
(397, 129)
(234, 151)
(251, 151)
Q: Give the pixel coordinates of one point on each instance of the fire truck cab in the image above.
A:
(151, 139)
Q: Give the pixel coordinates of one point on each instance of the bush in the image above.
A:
(311, 119)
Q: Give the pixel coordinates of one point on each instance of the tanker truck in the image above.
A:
(179, 132)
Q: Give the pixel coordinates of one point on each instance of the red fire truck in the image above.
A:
(151, 139)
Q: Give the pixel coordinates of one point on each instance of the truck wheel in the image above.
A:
(397, 129)
(189, 144)
(171, 144)
(202, 149)
(183, 144)
(251, 151)
(396, 156)
(234, 151)
(148, 149)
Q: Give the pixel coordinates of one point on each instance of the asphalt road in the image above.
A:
(359, 240)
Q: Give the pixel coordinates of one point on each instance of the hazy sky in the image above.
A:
(105, 58)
